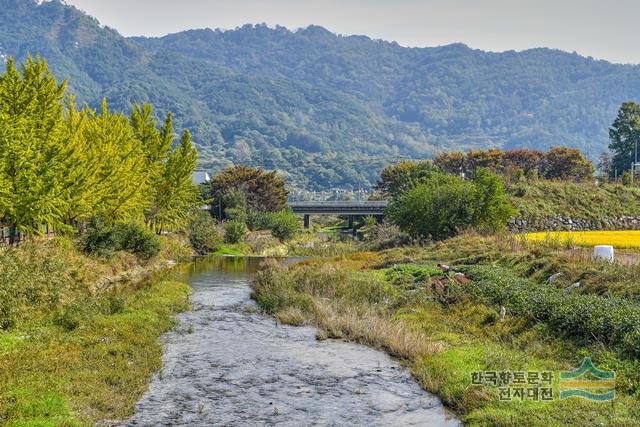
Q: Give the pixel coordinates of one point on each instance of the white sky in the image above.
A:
(607, 29)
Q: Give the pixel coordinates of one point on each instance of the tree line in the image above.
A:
(61, 165)
(561, 163)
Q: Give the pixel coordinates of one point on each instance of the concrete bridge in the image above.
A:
(350, 209)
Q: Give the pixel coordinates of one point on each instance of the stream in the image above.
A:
(227, 364)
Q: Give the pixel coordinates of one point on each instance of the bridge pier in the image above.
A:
(351, 222)
(307, 221)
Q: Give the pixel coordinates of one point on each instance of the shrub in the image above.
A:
(234, 231)
(443, 205)
(74, 314)
(493, 208)
(203, 236)
(436, 209)
(103, 239)
(609, 320)
(99, 238)
(384, 236)
(284, 224)
(137, 240)
(257, 220)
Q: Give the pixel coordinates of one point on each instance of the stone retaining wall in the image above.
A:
(521, 225)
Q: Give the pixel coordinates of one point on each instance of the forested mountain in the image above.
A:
(321, 107)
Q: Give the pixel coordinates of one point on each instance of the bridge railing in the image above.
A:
(340, 204)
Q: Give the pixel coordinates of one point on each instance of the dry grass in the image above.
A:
(374, 330)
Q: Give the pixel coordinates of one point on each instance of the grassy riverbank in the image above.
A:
(79, 334)
(583, 200)
(446, 328)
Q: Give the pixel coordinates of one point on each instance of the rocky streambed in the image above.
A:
(226, 364)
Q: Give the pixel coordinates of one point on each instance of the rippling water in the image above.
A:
(225, 364)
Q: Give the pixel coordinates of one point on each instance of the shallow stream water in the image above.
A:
(226, 364)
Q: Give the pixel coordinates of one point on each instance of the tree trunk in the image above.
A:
(12, 234)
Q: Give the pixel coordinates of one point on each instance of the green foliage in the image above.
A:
(494, 208)
(417, 273)
(72, 315)
(32, 157)
(135, 239)
(627, 178)
(249, 189)
(61, 166)
(103, 239)
(99, 238)
(284, 224)
(396, 179)
(624, 135)
(257, 220)
(442, 205)
(610, 320)
(234, 231)
(436, 209)
(203, 235)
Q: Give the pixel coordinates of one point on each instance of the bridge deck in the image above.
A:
(339, 208)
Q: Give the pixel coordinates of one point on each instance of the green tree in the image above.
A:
(493, 208)
(444, 205)
(435, 209)
(284, 224)
(566, 164)
(264, 191)
(31, 156)
(202, 233)
(234, 231)
(624, 134)
(175, 195)
(119, 181)
(400, 177)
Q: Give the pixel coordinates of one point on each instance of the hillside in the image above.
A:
(319, 106)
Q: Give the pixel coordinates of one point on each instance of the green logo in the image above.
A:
(588, 382)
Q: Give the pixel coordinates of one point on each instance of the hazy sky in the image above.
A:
(607, 29)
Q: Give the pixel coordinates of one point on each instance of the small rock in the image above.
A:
(572, 287)
(555, 277)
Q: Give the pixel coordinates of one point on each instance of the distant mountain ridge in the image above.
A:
(324, 108)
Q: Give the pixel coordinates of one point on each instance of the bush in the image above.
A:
(103, 239)
(74, 314)
(284, 224)
(234, 231)
(257, 220)
(99, 238)
(609, 320)
(443, 205)
(137, 240)
(436, 209)
(203, 236)
(384, 236)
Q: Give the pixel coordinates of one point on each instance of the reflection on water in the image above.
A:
(226, 364)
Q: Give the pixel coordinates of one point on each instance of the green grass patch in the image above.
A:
(95, 371)
(239, 249)
(73, 352)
